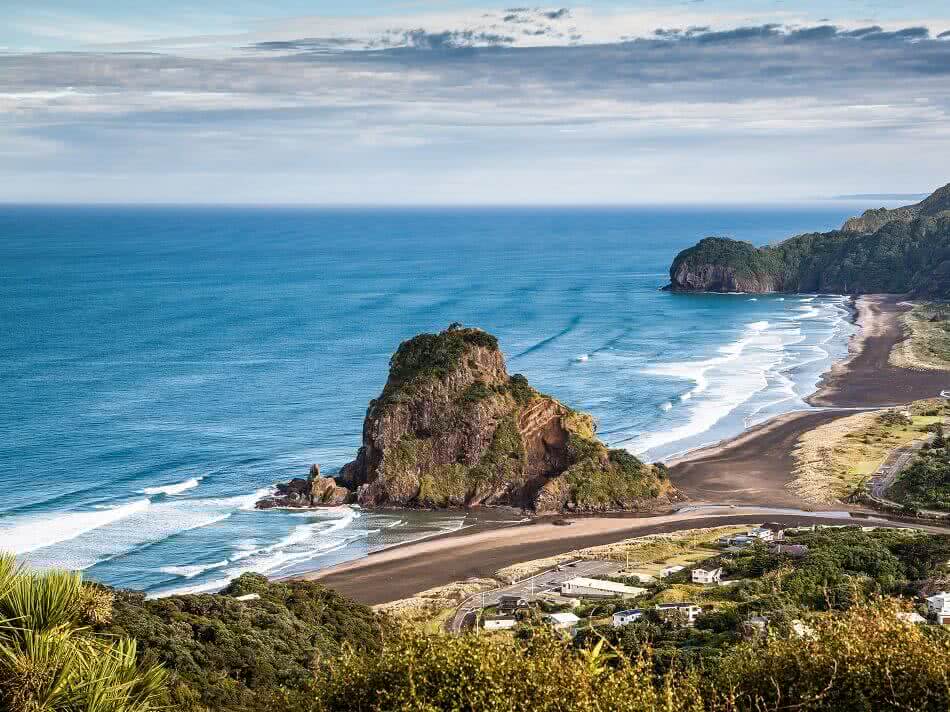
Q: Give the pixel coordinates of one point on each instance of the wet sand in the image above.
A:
(866, 378)
(751, 470)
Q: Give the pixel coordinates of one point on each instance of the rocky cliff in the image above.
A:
(904, 250)
(451, 428)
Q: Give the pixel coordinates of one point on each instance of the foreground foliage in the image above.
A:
(865, 660)
(227, 655)
(50, 661)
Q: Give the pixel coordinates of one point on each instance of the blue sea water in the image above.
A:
(163, 367)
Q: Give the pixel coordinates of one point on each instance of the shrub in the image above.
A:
(49, 660)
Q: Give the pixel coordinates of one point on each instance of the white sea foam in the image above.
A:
(666, 406)
(174, 489)
(722, 383)
(753, 299)
(188, 572)
(143, 522)
(582, 358)
(39, 532)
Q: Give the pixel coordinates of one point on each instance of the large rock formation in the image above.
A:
(905, 250)
(452, 428)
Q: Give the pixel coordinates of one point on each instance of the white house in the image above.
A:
(690, 610)
(622, 618)
(595, 588)
(761, 533)
(499, 623)
(670, 570)
(563, 621)
(707, 575)
(939, 607)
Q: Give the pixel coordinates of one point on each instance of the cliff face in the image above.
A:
(905, 250)
(451, 428)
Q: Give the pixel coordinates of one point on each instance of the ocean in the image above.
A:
(162, 367)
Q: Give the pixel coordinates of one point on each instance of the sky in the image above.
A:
(415, 102)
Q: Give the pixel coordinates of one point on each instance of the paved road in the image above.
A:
(531, 588)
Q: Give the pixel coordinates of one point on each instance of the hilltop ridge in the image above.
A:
(900, 250)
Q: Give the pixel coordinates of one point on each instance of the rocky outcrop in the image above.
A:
(905, 250)
(315, 491)
(451, 428)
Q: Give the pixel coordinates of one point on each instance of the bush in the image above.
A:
(228, 655)
(51, 662)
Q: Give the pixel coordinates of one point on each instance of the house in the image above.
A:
(939, 607)
(510, 602)
(705, 576)
(595, 588)
(761, 533)
(670, 570)
(499, 623)
(563, 621)
(796, 551)
(737, 543)
(622, 618)
(670, 611)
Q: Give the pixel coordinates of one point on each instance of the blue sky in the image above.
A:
(471, 102)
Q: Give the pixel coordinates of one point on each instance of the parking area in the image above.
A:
(533, 587)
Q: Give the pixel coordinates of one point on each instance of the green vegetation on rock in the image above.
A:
(427, 357)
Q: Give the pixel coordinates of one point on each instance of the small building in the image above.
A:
(563, 621)
(595, 588)
(761, 533)
(511, 602)
(670, 570)
(499, 623)
(622, 618)
(939, 607)
(706, 576)
(737, 543)
(796, 551)
(669, 611)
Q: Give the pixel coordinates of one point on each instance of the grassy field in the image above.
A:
(929, 344)
(837, 458)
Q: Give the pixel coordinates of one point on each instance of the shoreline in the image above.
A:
(741, 480)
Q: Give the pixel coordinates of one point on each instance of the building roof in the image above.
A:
(611, 586)
(629, 612)
(563, 618)
(707, 571)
